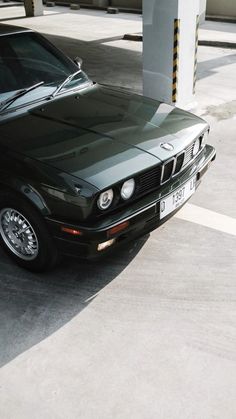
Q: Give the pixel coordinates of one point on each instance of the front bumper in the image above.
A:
(142, 217)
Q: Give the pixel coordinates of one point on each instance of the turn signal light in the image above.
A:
(118, 228)
(71, 231)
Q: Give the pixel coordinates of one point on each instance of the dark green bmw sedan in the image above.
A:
(83, 167)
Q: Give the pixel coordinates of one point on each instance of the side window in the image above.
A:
(26, 59)
(34, 56)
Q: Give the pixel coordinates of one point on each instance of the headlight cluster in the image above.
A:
(127, 189)
(106, 198)
(200, 142)
(205, 137)
(196, 147)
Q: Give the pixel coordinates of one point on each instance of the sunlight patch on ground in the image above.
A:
(208, 218)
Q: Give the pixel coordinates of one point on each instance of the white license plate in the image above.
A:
(177, 198)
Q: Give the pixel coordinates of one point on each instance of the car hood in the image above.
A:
(101, 135)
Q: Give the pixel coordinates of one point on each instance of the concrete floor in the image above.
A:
(150, 332)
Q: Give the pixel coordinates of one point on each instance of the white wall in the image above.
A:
(133, 4)
(214, 7)
(202, 11)
(221, 7)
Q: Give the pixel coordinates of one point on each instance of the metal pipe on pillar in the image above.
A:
(170, 32)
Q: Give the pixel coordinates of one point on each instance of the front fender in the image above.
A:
(27, 191)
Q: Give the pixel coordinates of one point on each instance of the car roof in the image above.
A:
(10, 29)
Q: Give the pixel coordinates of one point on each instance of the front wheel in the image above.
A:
(24, 235)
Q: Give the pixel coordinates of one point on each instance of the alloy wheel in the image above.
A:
(18, 234)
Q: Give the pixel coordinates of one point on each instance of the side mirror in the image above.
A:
(78, 61)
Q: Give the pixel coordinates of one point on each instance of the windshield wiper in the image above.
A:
(4, 105)
(67, 80)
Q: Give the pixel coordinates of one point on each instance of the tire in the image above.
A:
(24, 234)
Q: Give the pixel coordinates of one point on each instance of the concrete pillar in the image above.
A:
(33, 7)
(202, 12)
(169, 50)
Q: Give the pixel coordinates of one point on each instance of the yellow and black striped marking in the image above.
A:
(195, 55)
(175, 60)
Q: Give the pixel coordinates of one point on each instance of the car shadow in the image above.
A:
(34, 306)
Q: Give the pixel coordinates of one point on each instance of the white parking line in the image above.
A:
(207, 218)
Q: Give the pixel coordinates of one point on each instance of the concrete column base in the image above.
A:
(33, 8)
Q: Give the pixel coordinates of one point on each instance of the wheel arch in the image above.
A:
(28, 192)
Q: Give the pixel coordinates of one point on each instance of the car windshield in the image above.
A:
(27, 59)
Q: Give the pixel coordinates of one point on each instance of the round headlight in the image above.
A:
(205, 137)
(105, 199)
(127, 189)
(196, 147)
